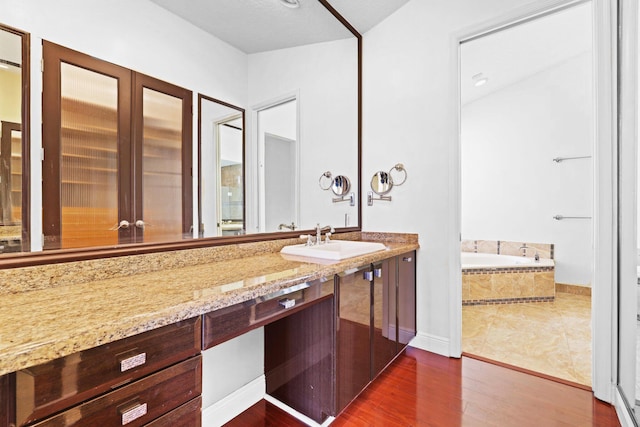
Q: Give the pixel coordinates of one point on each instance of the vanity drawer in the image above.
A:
(137, 403)
(230, 322)
(187, 415)
(51, 387)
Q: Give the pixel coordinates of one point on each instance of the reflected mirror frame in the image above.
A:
(67, 255)
(25, 133)
(201, 98)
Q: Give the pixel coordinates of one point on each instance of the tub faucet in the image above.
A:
(523, 248)
(319, 231)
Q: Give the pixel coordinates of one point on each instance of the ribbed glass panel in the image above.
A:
(16, 176)
(89, 157)
(162, 166)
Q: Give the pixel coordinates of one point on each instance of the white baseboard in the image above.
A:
(289, 410)
(621, 409)
(432, 343)
(234, 404)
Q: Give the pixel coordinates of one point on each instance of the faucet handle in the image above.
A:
(327, 237)
(308, 237)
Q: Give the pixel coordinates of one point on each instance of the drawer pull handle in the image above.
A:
(134, 413)
(377, 272)
(133, 361)
(368, 276)
(287, 303)
(407, 259)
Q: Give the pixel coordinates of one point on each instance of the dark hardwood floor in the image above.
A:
(424, 389)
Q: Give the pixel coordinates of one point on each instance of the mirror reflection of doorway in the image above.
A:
(230, 202)
(221, 169)
(527, 137)
(278, 150)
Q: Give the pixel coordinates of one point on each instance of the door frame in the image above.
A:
(605, 188)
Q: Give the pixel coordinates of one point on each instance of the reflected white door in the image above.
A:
(279, 182)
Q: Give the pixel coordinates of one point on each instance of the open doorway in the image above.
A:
(527, 132)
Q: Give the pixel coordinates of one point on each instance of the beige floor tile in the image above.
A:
(551, 338)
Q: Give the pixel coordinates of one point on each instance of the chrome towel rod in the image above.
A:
(561, 217)
(562, 159)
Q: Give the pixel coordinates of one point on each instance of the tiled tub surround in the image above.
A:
(55, 310)
(533, 282)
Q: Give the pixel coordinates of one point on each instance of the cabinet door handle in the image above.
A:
(368, 276)
(133, 361)
(287, 303)
(377, 272)
(122, 224)
(133, 413)
(407, 259)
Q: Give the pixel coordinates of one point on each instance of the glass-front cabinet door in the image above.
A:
(116, 166)
(163, 156)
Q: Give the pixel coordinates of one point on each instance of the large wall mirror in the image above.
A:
(255, 176)
(301, 120)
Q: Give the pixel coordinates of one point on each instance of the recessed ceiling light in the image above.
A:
(479, 80)
(293, 4)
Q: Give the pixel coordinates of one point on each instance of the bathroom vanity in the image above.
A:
(127, 351)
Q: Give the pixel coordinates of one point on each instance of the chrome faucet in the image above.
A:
(524, 249)
(319, 231)
(291, 226)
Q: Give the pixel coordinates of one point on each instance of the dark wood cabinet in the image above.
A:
(375, 319)
(353, 334)
(61, 383)
(406, 283)
(230, 322)
(138, 403)
(7, 400)
(136, 379)
(299, 362)
(187, 415)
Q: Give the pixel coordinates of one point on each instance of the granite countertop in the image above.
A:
(37, 326)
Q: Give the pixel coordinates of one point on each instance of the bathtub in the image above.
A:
(479, 260)
(502, 279)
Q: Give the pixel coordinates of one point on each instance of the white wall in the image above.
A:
(324, 76)
(408, 87)
(511, 188)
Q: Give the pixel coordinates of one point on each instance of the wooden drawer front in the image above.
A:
(51, 387)
(187, 415)
(230, 322)
(137, 403)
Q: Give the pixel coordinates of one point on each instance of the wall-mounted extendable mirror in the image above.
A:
(340, 186)
(383, 182)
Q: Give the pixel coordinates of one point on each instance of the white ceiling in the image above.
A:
(262, 25)
(518, 52)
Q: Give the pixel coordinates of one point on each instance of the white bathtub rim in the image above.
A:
(473, 260)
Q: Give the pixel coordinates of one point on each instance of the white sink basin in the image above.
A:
(334, 250)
